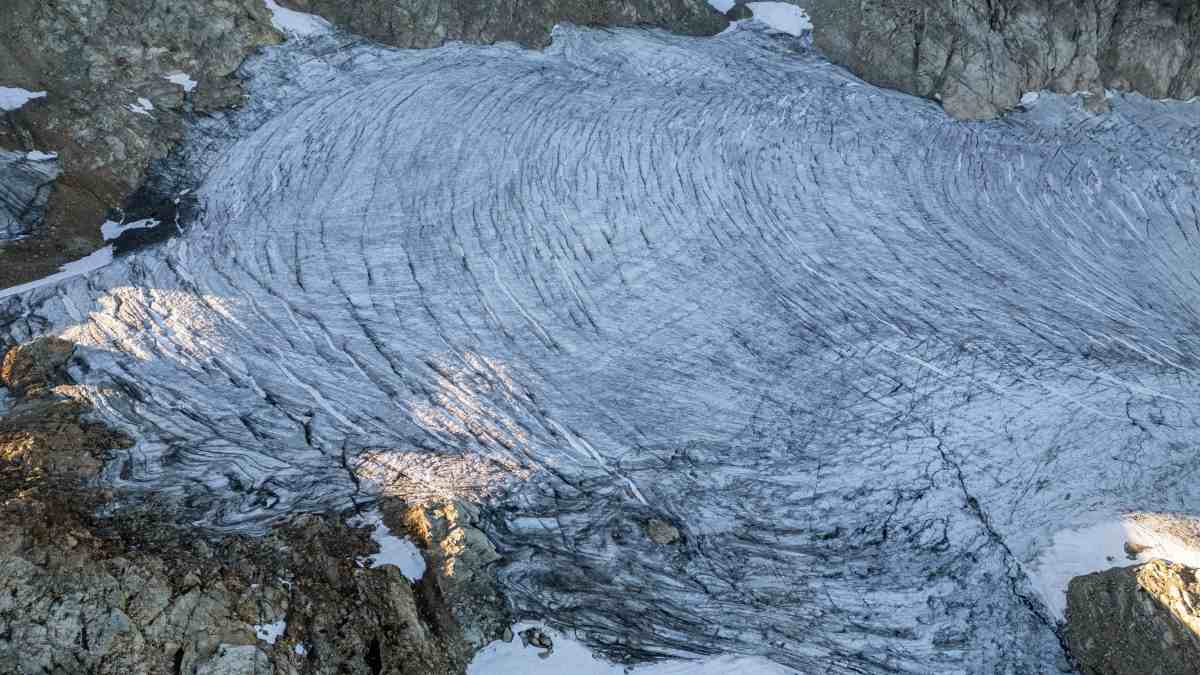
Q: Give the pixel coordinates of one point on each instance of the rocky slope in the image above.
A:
(1133, 620)
(978, 58)
(133, 591)
(428, 23)
(110, 108)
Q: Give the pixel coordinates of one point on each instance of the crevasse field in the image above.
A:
(875, 364)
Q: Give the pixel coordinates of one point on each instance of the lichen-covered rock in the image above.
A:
(1136, 620)
(429, 23)
(38, 365)
(978, 58)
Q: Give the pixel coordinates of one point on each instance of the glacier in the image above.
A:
(869, 360)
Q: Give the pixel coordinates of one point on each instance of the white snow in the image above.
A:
(296, 23)
(270, 632)
(393, 550)
(1099, 547)
(111, 230)
(722, 6)
(300, 649)
(1030, 97)
(39, 156)
(142, 107)
(12, 98)
(571, 656)
(94, 261)
(182, 79)
(781, 16)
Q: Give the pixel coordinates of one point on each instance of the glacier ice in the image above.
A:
(867, 359)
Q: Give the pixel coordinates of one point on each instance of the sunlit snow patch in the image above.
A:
(1099, 547)
(182, 79)
(393, 550)
(39, 156)
(111, 230)
(571, 656)
(270, 632)
(781, 16)
(721, 6)
(72, 269)
(12, 98)
(296, 23)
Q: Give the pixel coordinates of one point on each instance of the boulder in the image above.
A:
(1143, 619)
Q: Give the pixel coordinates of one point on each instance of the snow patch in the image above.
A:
(111, 230)
(182, 79)
(12, 98)
(571, 656)
(1030, 97)
(295, 23)
(782, 17)
(722, 6)
(1100, 547)
(142, 107)
(39, 156)
(84, 265)
(270, 632)
(300, 649)
(393, 550)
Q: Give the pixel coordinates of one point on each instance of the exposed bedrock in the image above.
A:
(86, 589)
(978, 58)
(110, 109)
(1136, 620)
(429, 23)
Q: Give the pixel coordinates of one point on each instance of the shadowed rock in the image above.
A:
(978, 58)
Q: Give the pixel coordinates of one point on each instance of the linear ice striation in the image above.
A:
(867, 359)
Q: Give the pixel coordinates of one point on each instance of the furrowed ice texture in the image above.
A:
(867, 360)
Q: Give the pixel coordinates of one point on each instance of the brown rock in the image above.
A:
(1135, 620)
(661, 532)
(30, 368)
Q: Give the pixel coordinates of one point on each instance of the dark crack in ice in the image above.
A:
(866, 359)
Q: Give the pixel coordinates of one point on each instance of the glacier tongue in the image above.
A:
(867, 360)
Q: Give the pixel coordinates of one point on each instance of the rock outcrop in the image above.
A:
(978, 58)
(1140, 619)
(25, 183)
(119, 77)
(134, 592)
(429, 23)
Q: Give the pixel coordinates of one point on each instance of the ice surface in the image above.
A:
(781, 16)
(12, 98)
(270, 632)
(143, 106)
(295, 23)
(183, 80)
(39, 156)
(571, 657)
(868, 360)
(91, 262)
(111, 230)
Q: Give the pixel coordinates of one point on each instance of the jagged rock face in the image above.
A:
(429, 23)
(101, 62)
(133, 592)
(25, 184)
(979, 58)
(1136, 620)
